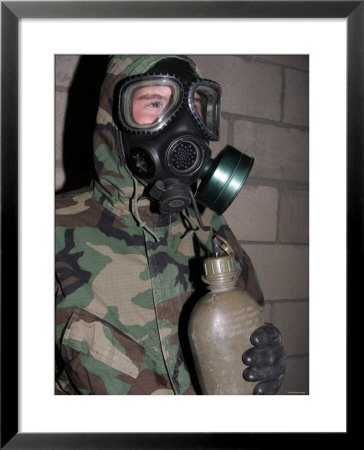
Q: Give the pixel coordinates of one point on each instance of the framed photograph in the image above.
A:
(38, 36)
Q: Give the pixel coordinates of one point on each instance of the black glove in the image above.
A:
(266, 359)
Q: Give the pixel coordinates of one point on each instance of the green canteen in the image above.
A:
(223, 178)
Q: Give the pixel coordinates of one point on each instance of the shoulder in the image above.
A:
(71, 198)
(77, 208)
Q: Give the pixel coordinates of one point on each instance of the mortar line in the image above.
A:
(294, 300)
(230, 132)
(283, 94)
(270, 313)
(278, 226)
(277, 123)
(284, 184)
(284, 66)
(299, 355)
(263, 60)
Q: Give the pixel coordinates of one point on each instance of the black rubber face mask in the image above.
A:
(167, 116)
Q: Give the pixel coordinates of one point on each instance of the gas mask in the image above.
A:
(167, 117)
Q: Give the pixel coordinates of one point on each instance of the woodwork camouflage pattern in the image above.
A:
(123, 298)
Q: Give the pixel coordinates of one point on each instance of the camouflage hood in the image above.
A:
(114, 186)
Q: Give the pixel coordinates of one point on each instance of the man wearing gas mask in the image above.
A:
(129, 248)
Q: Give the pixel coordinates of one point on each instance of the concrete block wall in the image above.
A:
(264, 113)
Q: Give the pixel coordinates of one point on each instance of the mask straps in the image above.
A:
(198, 217)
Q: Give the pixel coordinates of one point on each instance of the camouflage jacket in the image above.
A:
(123, 298)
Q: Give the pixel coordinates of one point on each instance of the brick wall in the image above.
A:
(264, 114)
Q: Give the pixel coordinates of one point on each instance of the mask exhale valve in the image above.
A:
(172, 197)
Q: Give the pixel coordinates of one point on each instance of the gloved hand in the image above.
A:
(266, 360)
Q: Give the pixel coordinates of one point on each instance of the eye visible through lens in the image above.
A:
(197, 103)
(150, 102)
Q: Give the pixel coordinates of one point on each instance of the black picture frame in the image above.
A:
(11, 13)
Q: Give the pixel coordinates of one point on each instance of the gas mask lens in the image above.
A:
(148, 104)
(204, 104)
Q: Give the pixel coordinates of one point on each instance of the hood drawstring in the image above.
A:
(186, 214)
(136, 215)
